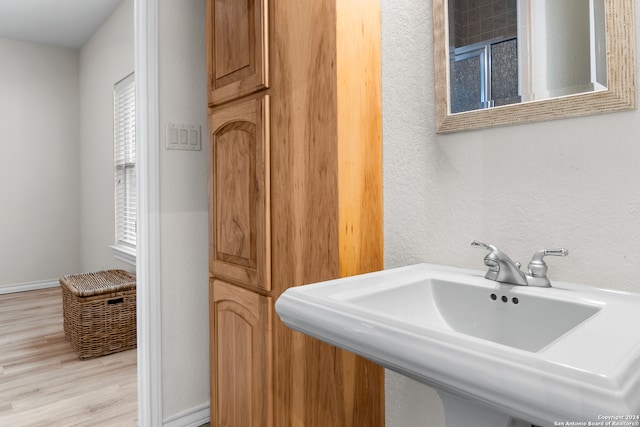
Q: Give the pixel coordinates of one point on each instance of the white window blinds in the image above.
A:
(124, 132)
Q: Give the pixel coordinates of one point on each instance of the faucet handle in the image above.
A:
(493, 251)
(537, 266)
(554, 252)
(477, 244)
(501, 267)
(489, 260)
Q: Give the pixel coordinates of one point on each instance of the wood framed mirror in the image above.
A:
(617, 94)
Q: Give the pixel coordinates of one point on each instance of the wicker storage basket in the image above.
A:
(99, 311)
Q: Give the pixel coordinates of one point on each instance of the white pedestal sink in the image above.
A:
(467, 412)
(498, 355)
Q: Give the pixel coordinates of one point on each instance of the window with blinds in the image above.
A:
(124, 134)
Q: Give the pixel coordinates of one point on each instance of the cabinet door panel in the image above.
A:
(241, 357)
(235, 172)
(237, 41)
(240, 193)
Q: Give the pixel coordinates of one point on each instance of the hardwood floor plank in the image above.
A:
(44, 383)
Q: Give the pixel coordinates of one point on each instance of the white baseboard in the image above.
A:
(30, 286)
(193, 417)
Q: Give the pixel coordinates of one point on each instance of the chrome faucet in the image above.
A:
(538, 268)
(502, 268)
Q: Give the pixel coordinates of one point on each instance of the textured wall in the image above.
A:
(569, 183)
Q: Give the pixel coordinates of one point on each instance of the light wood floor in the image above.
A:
(42, 380)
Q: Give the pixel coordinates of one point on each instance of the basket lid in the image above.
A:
(88, 284)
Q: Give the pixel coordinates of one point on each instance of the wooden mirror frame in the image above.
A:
(621, 74)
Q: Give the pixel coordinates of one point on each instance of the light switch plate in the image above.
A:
(183, 137)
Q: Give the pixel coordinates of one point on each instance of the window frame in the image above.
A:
(124, 164)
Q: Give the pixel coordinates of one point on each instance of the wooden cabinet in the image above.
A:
(237, 48)
(241, 353)
(295, 198)
(239, 201)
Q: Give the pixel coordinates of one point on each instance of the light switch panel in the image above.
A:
(183, 137)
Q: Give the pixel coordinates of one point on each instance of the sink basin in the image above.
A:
(530, 323)
(569, 352)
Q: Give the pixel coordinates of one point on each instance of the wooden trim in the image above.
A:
(621, 74)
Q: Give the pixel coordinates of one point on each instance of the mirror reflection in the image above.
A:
(505, 52)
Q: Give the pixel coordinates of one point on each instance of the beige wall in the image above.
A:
(104, 60)
(570, 183)
(56, 111)
(183, 210)
(39, 175)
